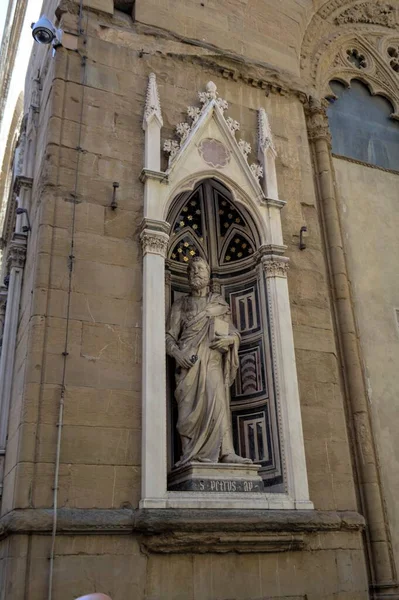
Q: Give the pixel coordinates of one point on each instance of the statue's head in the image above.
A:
(198, 272)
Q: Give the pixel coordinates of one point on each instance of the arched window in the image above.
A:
(206, 222)
(362, 127)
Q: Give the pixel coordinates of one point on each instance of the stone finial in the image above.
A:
(152, 102)
(265, 137)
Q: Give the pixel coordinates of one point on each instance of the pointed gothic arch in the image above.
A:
(207, 150)
(342, 30)
(210, 214)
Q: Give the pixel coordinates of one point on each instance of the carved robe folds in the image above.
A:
(202, 392)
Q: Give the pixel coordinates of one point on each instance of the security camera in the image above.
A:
(43, 31)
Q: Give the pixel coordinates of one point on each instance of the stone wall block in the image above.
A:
(105, 572)
(91, 445)
(170, 578)
(88, 486)
(95, 190)
(102, 408)
(122, 223)
(99, 374)
(316, 366)
(124, 312)
(21, 446)
(108, 343)
(311, 315)
(96, 248)
(17, 487)
(105, 280)
(308, 287)
(311, 338)
(344, 491)
(56, 336)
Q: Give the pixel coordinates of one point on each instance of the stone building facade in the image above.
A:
(142, 109)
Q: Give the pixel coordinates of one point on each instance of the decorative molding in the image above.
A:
(220, 543)
(17, 252)
(154, 242)
(22, 182)
(364, 164)
(174, 521)
(152, 102)
(184, 129)
(271, 250)
(147, 174)
(358, 30)
(393, 56)
(265, 137)
(370, 13)
(257, 170)
(275, 202)
(317, 121)
(275, 266)
(245, 148)
(214, 153)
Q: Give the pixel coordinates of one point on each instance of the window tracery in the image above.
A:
(393, 53)
(362, 127)
(356, 58)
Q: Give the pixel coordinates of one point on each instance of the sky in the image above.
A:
(21, 63)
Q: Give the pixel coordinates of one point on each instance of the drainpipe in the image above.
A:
(382, 568)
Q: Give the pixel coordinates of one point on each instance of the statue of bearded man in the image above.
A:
(206, 366)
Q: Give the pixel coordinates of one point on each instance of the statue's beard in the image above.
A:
(198, 283)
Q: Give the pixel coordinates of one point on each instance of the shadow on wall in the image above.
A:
(362, 127)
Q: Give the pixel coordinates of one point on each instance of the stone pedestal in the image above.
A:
(215, 477)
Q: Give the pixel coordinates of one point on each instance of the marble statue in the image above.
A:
(204, 342)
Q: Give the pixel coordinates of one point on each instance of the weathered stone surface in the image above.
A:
(152, 521)
(100, 452)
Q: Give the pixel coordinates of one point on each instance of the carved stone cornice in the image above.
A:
(22, 182)
(197, 523)
(271, 250)
(275, 265)
(275, 202)
(17, 252)
(155, 225)
(317, 121)
(154, 242)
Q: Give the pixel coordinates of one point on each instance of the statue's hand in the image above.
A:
(183, 359)
(223, 343)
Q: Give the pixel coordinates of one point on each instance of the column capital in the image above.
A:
(17, 252)
(275, 265)
(154, 242)
(3, 299)
(317, 120)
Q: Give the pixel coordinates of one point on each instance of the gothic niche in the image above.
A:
(207, 223)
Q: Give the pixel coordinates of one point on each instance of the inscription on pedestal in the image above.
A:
(217, 485)
(216, 478)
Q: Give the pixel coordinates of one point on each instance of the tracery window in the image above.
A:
(362, 127)
(206, 222)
